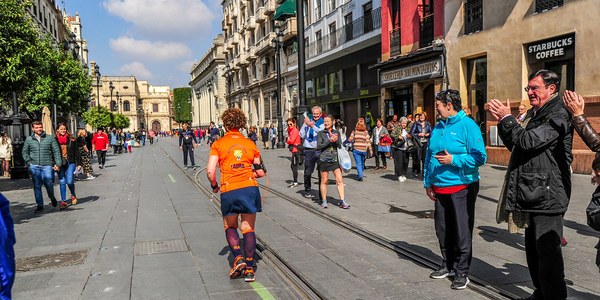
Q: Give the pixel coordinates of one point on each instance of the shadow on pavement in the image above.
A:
(7, 184)
(494, 234)
(86, 199)
(582, 229)
(22, 212)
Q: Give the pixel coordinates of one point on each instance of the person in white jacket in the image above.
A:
(5, 153)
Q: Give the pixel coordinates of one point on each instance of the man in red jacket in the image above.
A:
(100, 143)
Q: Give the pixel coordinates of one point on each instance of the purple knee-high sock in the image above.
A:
(233, 239)
(249, 248)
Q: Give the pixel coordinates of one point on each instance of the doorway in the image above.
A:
(429, 102)
(156, 126)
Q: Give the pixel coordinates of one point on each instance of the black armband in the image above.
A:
(258, 166)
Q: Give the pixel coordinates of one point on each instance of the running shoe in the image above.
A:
(343, 204)
(194, 167)
(73, 200)
(460, 282)
(100, 166)
(91, 177)
(249, 275)
(293, 185)
(308, 195)
(39, 210)
(185, 167)
(441, 273)
(63, 205)
(53, 202)
(324, 204)
(239, 265)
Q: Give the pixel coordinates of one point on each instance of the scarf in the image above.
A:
(311, 137)
(62, 141)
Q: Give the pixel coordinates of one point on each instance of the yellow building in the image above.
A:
(492, 47)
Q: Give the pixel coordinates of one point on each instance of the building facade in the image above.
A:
(49, 19)
(75, 28)
(412, 56)
(209, 86)
(145, 105)
(492, 47)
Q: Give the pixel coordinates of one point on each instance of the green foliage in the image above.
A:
(182, 104)
(121, 121)
(98, 118)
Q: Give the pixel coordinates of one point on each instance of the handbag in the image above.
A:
(344, 159)
(410, 145)
(385, 149)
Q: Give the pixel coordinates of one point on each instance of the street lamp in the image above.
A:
(278, 43)
(120, 99)
(97, 73)
(111, 87)
(147, 121)
(210, 115)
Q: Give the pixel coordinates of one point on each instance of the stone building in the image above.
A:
(492, 47)
(145, 105)
(49, 19)
(209, 86)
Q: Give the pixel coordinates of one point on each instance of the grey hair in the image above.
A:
(316, 107)
(403, 119)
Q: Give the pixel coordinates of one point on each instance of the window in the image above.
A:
(154, 107)
(473, 16)
(113, 105)
(368, 17)
(332, 5)
(348, 26)
(126, 105)
(544, 5)
(334, 83)
(426, 24)
(317, 9)
(309, 89)
(321, 85)
(332, 36)
(319, 38)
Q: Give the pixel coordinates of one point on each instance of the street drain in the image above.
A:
(156, 247)
(422, 214)
(49, 261)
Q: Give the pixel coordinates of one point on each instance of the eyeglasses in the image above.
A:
(533, 88)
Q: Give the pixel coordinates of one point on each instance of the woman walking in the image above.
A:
(294, 142)
(400, 136)
(379, 132)
(451, 180)
(361, 144)
(421, 131)
(70, 161)
(84, 153)
(240, 164)
(328, 141)
(6, 151)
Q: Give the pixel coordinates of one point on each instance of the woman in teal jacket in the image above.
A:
(451, 179)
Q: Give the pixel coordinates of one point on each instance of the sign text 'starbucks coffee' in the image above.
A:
(552, 49)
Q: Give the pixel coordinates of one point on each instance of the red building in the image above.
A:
(412, 65)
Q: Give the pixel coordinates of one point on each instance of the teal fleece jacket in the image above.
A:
(461, 137)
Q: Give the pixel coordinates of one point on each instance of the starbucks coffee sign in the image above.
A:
(556, 48)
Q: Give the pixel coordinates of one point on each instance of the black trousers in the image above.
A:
(400, 162)
(416, 161)
(454, 220)
(294, 165)
(544, 255)
(101, 157)
(382, 156)
(188, 149)
(311, 158)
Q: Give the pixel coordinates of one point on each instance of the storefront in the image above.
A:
(556, 54)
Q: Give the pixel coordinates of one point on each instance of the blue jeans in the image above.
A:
(359, 158)
(42, 175)
(66, 177)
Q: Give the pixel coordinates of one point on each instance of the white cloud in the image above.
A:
(137, 69)
(186, 66)
(164, 17)
(152, 51)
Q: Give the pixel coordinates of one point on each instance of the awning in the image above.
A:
(285, 10)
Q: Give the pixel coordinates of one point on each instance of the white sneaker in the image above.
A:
(400, 178)
(403, 179)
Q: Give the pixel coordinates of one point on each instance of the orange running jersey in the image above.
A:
(236, 156)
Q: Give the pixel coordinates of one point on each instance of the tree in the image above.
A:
(121, 121)
(98, 118)
(182, 104)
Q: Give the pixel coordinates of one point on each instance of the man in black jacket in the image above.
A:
(187, 143)
(538, 181)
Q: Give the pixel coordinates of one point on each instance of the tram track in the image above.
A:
(301, 288)
(478, 285)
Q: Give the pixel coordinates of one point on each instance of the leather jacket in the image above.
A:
(589, 136)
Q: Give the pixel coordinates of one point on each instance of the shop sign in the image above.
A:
(556, 48)
(430, 69)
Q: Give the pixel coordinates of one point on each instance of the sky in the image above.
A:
(154, 40)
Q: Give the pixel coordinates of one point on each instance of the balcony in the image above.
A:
(251, 53)
(289, 29)
(395, 42)
(228, 20)
(260, 14)
(229, 44)
(265, 43)
(235, 39)
(242, 59)
(225, 50)
(269, 7)
(251, 23)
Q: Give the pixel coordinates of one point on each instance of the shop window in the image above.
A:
(321, 86)
(544, 5)
(154, 107)
(477, 85)
(334, 83)
(473, 16)
(349, 78)
(309, 89)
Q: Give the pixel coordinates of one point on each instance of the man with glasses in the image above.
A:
(308, 132)
(538, 184)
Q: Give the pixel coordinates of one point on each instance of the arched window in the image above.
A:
(126, 106)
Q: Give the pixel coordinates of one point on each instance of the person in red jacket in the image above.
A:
(294, 143)
(100, 143)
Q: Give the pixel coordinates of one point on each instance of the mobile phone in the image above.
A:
(441, 153)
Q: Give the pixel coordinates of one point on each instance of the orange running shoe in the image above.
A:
(73, 200)
(239, 264)
(249, 275)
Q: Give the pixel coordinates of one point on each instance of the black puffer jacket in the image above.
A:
(539, 175)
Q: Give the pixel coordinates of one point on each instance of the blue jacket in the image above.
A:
(461, 137)
(7, 253)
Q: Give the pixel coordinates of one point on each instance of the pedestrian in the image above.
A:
(42, 154)
(187, 143)
(379, 132)
(88, 142)
(71, 161)
(393, 123)
(538, 181)
(6, 151)
(84, 154)
(214, 133)
(451, 180)
(308, 132)
(100, 145)
(252, 135)
(264, 135)
(361, 144)
(152, 135)
(401, 141)
(112, 137)
(7, 249)
(120, 140)
(295, 144)
(240, 164)
(328, 141)
(369, 121)
(273, 135)
(143, 136)
(420, 132)
(522, 113)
